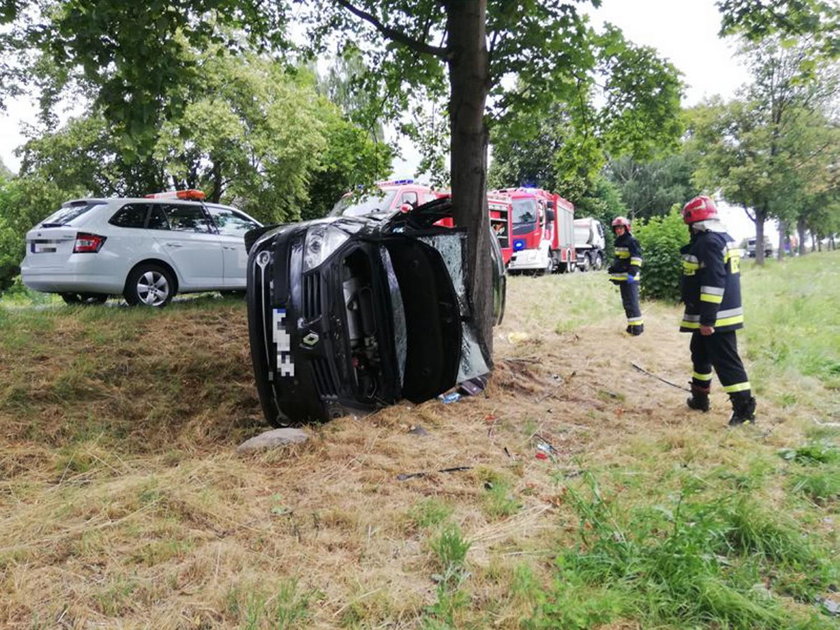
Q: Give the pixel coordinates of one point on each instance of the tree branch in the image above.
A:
(747, 210)
(395, 35)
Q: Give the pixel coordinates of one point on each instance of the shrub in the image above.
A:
(661, 239)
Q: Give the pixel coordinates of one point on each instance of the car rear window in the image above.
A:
(183, 218)
(69, 212)
(132, 215)
(157, 220)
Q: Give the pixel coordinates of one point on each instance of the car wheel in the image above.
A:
(149, 285)
(84, 298)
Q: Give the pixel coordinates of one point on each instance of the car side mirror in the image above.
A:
(549, 215)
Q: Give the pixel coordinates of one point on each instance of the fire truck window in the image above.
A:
(524, 211)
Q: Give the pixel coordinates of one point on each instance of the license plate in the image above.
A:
(43, 247)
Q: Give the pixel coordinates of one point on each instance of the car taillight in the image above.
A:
(87, 243)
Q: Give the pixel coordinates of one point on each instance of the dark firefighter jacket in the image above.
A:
(628, 258)
(711, 283)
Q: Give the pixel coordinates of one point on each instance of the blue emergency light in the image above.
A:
(518, 244)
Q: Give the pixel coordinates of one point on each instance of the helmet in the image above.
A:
(621, 222)
(699, 209)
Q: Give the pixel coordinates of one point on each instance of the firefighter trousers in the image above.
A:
(719, 351)
(630, 302)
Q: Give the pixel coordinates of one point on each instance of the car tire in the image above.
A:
(84, 298)
(149, 285)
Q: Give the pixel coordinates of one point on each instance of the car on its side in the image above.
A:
(348, 314)
(146, 249)
(389, 196)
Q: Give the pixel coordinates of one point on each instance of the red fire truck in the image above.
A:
(543, 236)
(501, 209)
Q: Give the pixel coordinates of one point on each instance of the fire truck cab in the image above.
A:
(542, 225)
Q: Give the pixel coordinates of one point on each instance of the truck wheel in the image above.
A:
(598, 262)
(586, 263)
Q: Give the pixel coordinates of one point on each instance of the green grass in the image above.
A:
(792, 331)
(700, 559)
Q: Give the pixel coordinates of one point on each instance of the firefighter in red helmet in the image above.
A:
(625, 273)
(711, 290)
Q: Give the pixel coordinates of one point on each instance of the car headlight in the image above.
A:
(321, 242)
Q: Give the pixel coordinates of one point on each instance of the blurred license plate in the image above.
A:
(43, 247)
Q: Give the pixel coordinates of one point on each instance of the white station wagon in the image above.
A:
(146, 249)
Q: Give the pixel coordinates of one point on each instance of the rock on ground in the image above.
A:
(273, 439)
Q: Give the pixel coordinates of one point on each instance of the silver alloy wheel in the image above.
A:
(153, 288)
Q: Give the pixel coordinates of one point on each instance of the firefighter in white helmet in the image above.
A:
(625, 273)
(711, 290)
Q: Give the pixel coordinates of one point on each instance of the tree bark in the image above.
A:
(760, 218)
(783, 236)
(216, 194)
(469, 80)
(800, 229)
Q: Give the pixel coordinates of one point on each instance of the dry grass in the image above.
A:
(124, 504)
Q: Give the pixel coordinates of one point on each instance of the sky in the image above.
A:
(683, 31)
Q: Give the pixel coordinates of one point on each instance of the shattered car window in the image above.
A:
(451, 248)
(400, 331)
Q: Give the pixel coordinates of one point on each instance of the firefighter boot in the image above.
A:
(636, 329)
(699, 399)
(743, 409)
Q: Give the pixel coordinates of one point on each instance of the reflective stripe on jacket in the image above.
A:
(711, 283)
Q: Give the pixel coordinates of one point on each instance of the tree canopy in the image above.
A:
(768, 149)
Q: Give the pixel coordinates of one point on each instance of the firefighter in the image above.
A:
(625, 273)
(711, 290)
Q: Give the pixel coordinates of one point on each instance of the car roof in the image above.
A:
(124, 200)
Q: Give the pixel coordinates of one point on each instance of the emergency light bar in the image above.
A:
(191, 194)
(396, 182)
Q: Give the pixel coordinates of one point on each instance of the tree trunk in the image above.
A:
(469, 81)
(800, 230)
(783, 237)
(760, 218)
(216, 177)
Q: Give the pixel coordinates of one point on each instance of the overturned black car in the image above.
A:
(350, 314)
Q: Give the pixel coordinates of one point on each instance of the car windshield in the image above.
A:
(524, 211)
(68, 213)
(350, 206)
